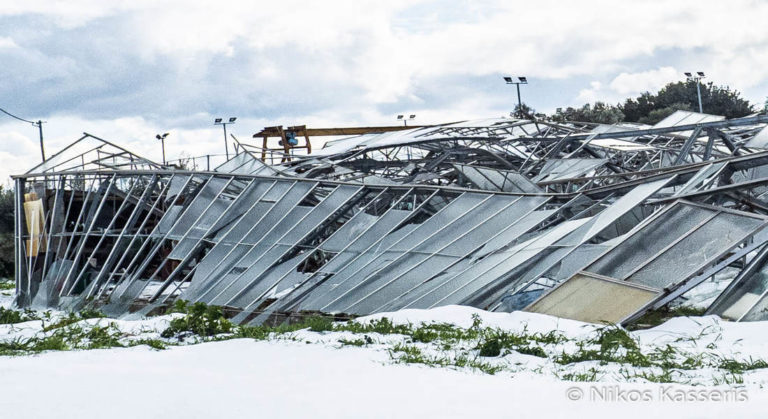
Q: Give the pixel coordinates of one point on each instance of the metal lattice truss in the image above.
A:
(598, 223)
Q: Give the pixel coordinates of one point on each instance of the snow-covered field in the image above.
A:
(316, 374)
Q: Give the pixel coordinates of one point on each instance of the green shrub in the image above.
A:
(8, 316)
(200, 319)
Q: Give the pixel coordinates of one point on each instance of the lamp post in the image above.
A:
(161, 137)
(38, 124)
(697, 78)
(521, 80)
(220, 121)
(405, 121)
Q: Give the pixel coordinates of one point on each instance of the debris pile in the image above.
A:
(583, 221)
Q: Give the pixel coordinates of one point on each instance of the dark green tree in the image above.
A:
(524, 111)
(634, 109)
(716, 100)
(6, 232)
(600, 113)
(657, 115)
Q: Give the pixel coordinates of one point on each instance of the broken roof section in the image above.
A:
(93, 153)
(573, 219)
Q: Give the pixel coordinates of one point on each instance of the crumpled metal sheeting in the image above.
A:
(745, 299)
(497, 180)
(659, 256)
(494, 213)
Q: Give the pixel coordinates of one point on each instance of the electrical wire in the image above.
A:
(14, 116)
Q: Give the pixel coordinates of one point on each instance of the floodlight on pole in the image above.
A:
(219, 121)
(697, 78)
(161, 137)
(521, 80)
(404, 119)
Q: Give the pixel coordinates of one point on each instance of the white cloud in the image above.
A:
(127, 69)
(385, 48)
(646, 81)
(6, 42)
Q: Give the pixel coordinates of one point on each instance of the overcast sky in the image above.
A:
(127, 70)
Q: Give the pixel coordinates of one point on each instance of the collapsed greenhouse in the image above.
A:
(577, 220)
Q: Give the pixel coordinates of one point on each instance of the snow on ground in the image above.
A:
(461, 316)
(311, 374)
(246, 379)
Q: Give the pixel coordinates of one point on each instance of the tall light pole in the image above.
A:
(405, 121)
(161, 137)
(38, 124)
(219, 121)
(697, 78)
(521, 80)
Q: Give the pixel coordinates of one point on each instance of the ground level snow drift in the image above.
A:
(419, 372)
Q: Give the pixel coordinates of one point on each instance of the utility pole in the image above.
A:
(697, 78)
(40, 130)
(38, 124)
(162, 142)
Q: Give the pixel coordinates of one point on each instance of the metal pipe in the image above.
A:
(698, 90)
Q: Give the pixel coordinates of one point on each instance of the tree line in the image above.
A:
(650, 108)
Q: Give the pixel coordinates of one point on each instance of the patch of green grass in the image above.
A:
(612, 344)
(253, 332)
(152, 343)
(87, 313)
(21, 346)
(262, 332)
(464, 361)
(490, 347)
(14, 347)
(200, 319)
(72, 318)
(406, 349)
(99, 337)
(728, 379)
(588, 375)
(48, 343)
(366, 340)
(65, 338)
(318, 324)
(615, 345)
(656, 317)
(409, 354)
(738, 367)
(7, 285)
(443, 332)
(382, 326)
(532, 350)
(687, 311)
(496, 342)
(665, 376)
(435, 344)
(9, 316)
